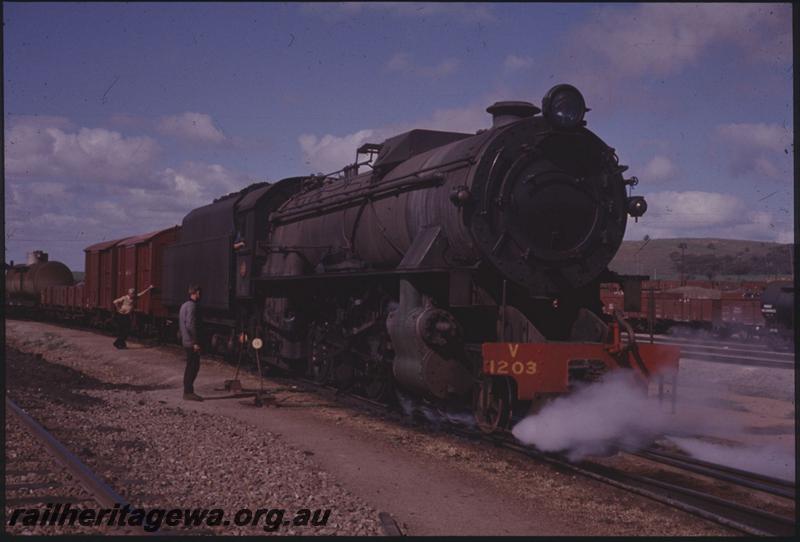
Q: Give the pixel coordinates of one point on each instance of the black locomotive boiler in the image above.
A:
(450, 253)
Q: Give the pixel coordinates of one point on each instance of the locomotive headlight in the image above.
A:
(563, 106)
(637, 206)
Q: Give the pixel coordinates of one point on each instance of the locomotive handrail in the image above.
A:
(356, 195)
(343, 274)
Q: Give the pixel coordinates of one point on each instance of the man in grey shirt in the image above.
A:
(191, 343)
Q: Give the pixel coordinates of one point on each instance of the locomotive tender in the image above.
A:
(458, 265)
(461, 268)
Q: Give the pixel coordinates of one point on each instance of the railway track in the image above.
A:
(755, 355)
(725, 512)
(712, 507)
(94, 487)
(752, 480)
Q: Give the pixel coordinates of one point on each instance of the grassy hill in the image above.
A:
(717, 259)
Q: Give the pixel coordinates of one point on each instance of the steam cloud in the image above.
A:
(614, 413)
(768, 460)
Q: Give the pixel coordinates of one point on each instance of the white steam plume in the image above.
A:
(596, 419)
(616, 414)
(768, 460)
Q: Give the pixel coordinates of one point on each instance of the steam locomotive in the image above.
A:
(457, 267)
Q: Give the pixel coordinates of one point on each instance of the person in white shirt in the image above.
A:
(124, 306)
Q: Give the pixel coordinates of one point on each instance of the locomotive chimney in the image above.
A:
(37, 256)
(507, 112)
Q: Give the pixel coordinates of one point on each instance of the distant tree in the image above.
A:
(646, 238)
(711, 246)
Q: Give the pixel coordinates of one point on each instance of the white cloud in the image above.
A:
(49, 189)
(462, 12)
(329, 152)
(659, 168)
(707, 214)
(40, 148)
(192, 127)
(694, 208)
(402, 63)
(59, 220)
(111, 210)
(457, 119)
(661, 39)
(516, 62)
(773, 137)
(62, 217)
(764, 150)
(41, 121)
(130, 122)
(196, 183)
(399, 62)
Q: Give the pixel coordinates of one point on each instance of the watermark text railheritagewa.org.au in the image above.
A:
(268, 519)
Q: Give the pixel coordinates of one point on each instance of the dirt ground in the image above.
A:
(432, 484)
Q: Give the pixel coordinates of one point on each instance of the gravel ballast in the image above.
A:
(163, 457)
(311, 451)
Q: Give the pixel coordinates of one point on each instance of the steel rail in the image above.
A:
(767, 484)
(725, 512)
(763, 354)
(102, 492)
(697, 340)
(758, 352)
(744, 362)
(734, 353)
(697, 354)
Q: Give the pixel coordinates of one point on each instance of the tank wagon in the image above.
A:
(25, 283)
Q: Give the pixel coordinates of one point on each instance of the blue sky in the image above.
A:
(120, 118)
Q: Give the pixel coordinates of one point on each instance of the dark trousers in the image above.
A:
(123, 329)
(192, 368)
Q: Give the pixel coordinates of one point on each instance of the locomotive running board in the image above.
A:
(544, 367)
